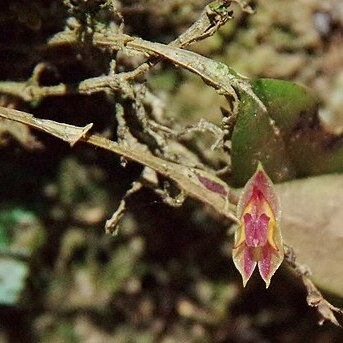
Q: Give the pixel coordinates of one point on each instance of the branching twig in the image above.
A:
(314, 297)
(216, 74)
(111, 226)
(196, 183)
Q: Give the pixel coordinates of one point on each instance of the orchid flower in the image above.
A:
(258, 238)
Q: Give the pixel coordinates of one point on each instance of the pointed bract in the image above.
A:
(258, 239)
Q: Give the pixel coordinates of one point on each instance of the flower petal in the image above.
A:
(244, 261)
(239, 236)
(263, 184)
(270, 262)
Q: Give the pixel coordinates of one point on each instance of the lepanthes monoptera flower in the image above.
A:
(258, 238)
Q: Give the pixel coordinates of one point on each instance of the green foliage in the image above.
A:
(288, 139)
(255, 138)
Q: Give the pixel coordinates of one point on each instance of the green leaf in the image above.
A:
(256, 138)
(288, 139)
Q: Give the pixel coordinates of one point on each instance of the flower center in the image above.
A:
(256, 230)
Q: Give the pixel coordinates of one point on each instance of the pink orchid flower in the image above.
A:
(258, 238)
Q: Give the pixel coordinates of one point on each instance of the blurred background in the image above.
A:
(167, 275)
